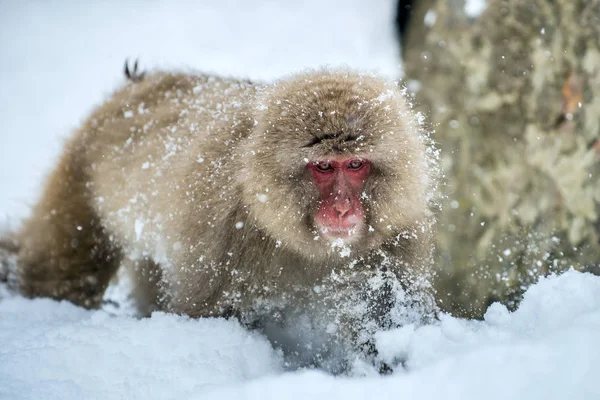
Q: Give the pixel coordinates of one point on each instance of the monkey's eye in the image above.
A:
(356, 164)
(324, 166)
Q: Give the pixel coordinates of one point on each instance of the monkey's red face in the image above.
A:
(340, 182)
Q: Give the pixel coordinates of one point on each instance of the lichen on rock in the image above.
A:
(514, 98)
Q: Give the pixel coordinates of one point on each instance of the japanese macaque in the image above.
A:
(309, 196)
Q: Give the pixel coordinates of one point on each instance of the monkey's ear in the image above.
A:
(133, 74)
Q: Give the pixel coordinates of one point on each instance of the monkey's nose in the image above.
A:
(342, 207)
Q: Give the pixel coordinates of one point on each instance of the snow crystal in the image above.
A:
(414, 86)
(345, 252)
(139, 228)
(430, 18)
(474, 8)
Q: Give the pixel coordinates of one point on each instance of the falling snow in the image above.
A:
(69, 56)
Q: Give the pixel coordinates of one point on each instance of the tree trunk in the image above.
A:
(513, 95)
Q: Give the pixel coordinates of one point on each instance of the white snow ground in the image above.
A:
(547, 349)
(59, 58)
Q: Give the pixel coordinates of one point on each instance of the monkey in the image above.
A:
(265, 202)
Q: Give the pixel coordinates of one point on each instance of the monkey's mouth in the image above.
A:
(338, 232)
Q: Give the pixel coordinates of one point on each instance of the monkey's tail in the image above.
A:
(133, 74)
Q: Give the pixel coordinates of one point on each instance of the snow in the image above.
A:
(430, 18)
(474, 8)
(56, 350)
(58, 59)
(547, 349)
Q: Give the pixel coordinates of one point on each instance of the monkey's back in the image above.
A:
(153, 150)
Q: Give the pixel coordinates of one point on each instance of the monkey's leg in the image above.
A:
(8, 253)
(148, 293)
(65, 252)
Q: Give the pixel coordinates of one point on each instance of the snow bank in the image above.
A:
(547, 349)
(53, 350)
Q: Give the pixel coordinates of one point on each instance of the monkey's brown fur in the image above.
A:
(199, 184)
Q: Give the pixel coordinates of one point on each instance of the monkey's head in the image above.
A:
(335, 159)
